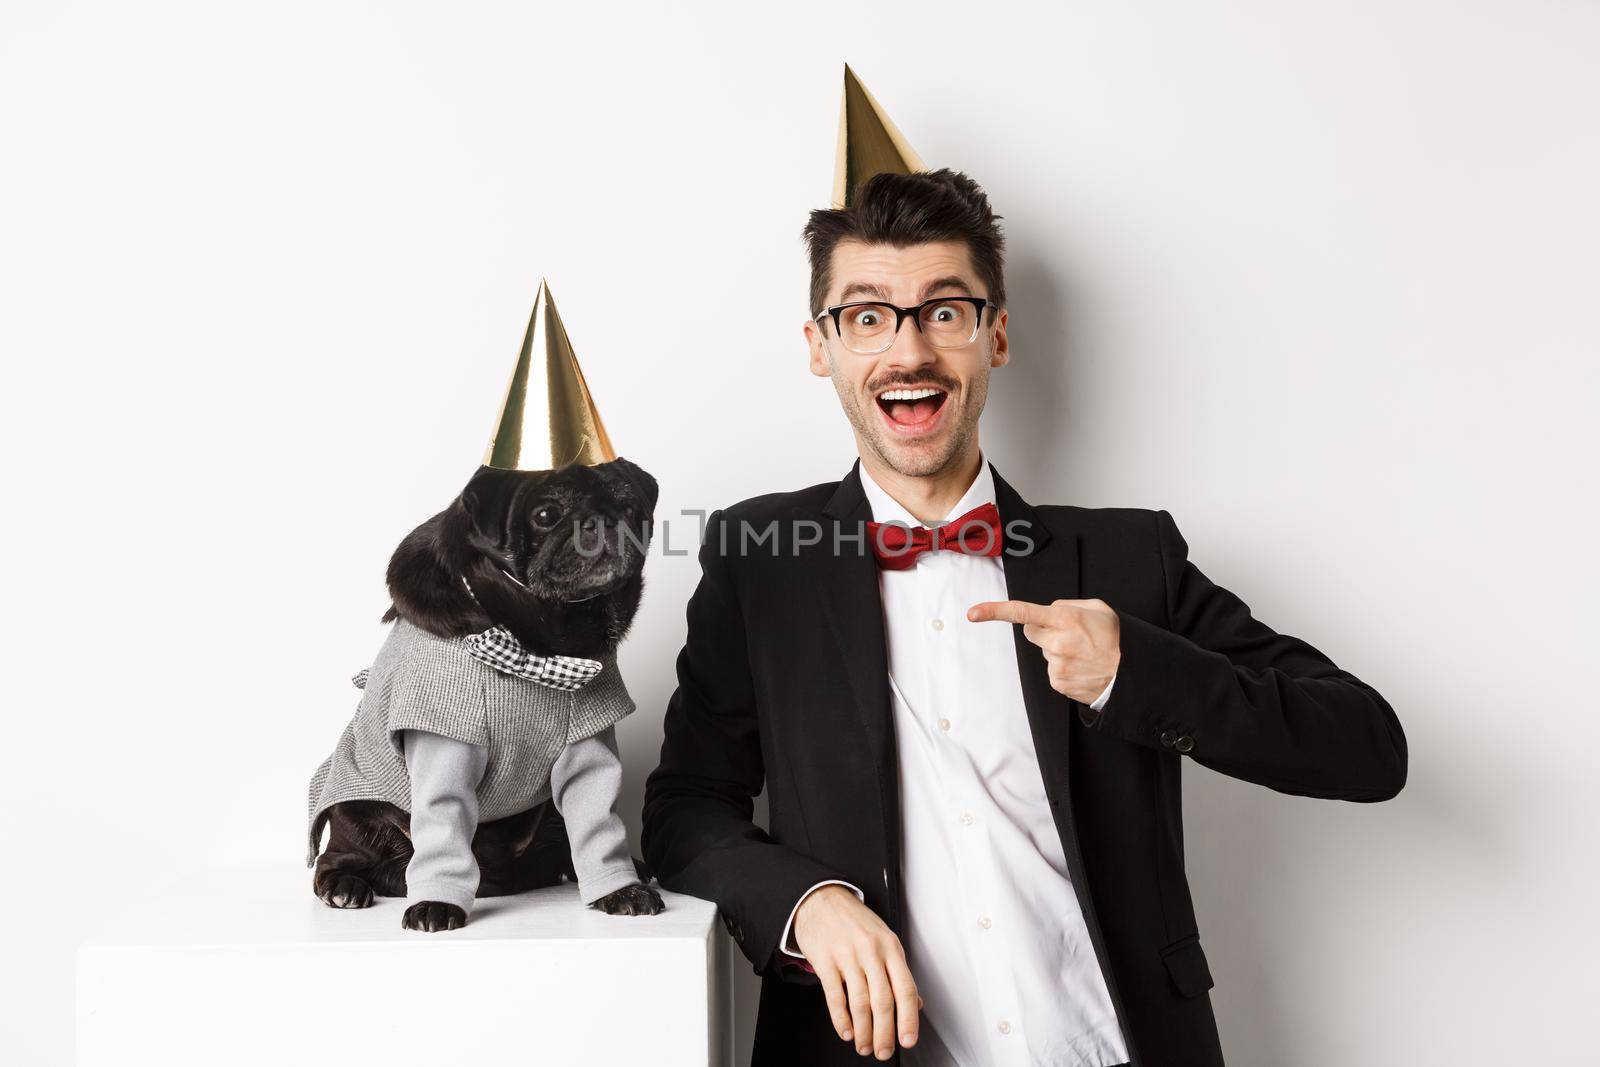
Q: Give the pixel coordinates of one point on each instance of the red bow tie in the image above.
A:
(977, 533)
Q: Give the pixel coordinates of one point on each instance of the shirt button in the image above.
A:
(1005, 1027)
(985, 923)
(967, 819)
(938, 624)
(944, 724)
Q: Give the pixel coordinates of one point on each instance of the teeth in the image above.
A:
(908, 394)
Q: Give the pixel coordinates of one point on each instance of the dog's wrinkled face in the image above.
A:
(567, 535)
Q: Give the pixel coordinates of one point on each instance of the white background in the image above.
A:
(1319, 279)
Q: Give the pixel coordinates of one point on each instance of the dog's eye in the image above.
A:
(546, 517)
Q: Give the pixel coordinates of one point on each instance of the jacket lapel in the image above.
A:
(1050, 572)
(1040, 572)
(847, 583)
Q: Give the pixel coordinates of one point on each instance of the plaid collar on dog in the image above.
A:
(500, 649)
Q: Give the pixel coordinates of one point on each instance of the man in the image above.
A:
(971, 739)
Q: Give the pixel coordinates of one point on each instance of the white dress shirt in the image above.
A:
(993, 934)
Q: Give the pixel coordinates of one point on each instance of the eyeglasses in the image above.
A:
(945, 321)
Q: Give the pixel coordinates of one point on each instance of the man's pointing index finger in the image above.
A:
(1018, 611)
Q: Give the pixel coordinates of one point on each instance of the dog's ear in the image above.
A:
(485, 502)
(424, 587)
(471, 504)
(642, 481)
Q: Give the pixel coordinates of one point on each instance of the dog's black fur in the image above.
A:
(528, 544)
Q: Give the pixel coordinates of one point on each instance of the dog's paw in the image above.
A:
(431, 916)
(631, 900)
(345, 891)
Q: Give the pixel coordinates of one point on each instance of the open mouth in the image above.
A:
(912, 411)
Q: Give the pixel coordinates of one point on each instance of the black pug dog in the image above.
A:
(515, 537)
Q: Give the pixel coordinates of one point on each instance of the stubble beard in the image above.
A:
(920, 460)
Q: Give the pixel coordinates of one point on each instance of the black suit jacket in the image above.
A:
(782, 682)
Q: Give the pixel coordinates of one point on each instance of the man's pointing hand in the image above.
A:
(1081, 639)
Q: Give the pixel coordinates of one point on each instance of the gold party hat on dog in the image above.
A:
(548, 418)
(869, 143)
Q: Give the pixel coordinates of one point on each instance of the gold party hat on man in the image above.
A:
(548, 418)
(869, 143)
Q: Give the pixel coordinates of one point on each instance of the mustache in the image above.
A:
(911, 381)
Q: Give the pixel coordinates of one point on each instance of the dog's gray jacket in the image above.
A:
(491, 741)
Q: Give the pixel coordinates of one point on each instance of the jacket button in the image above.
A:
(1087, 715)
(1168, 738)
(1184, 743)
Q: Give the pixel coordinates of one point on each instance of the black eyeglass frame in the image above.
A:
(980, 302)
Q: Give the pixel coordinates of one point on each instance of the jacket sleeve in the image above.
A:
(1212, 682)
(698, 834)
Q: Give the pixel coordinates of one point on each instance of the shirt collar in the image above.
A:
(886, 508)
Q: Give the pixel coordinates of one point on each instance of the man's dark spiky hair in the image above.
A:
(910, 209)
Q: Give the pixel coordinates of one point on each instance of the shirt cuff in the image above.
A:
(1105, 695)
(784, 941)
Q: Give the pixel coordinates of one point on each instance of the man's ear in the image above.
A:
(1001, 353)
(819, 349)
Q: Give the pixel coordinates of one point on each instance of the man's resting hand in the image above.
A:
(862, 967)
